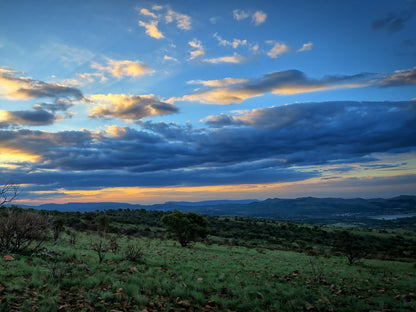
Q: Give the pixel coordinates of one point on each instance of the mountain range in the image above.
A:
(306, 208)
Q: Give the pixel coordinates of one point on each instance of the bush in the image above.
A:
(352, 246)
(100, 246)
(133, 253)
(19, 230)
(186, 227)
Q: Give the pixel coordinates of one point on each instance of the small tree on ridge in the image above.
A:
(186, 227)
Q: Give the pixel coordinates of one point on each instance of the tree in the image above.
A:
(18, 230)
(100, 246)
(8, 193)
(186, 227)
(57, 226)
(351, 245)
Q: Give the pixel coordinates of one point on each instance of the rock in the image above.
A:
(132, 270)
(8, 258)
(184, 304)
(212, 303)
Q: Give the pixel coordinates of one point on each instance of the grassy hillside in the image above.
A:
(166, 277)
(292, 268)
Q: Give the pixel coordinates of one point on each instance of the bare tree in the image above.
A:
(19, 230)
(8, 193)
(100, 246)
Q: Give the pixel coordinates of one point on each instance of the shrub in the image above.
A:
(72, 236)
(100, 246)
(113, 244)
(352, 246)
(19, 230)
(133, 253)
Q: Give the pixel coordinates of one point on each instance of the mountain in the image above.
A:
(306, 208)
(213, 202)
(85, 207)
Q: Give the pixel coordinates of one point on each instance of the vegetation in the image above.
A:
(121, 260)
(8, 193)
(19, 230)
(186, 227)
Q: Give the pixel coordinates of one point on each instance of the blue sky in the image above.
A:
(146, 102)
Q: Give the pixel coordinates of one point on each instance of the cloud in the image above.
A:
(123, 68)
(68, 55)
(220, 82)
(269, 145)
(291, 82)
(259, 17)
(129, 107)
(91, 77)
(214, 20)
(199, 49)
(278, 49)
(282, 83)
(59, 105)
(335, 130)
(183, 21)
(235, 43)
(170, 58)
(395, 21)
(37, 117)
(146, 12)
(240, 15)
(398, 78)
(220, 96)
(306, 47)
(157, 7)
(151, 29)
(14, 87)
(236, 58)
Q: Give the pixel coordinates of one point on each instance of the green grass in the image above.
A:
(205, 278)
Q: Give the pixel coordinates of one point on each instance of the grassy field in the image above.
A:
(149, 274)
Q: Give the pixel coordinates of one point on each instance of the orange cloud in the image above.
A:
(11, 156)
(128, 107)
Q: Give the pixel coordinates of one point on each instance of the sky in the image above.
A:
(146, 102)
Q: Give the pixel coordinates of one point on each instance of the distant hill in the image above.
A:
(213, 202)
(307, 208)
(84, 207)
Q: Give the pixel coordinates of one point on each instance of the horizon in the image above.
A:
(149, 102)
(219, 200)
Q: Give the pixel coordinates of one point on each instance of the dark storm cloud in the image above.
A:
(258, 146)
